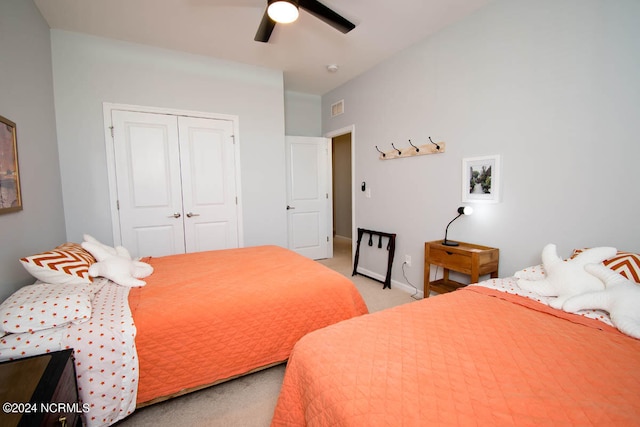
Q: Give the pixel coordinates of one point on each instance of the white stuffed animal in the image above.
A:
(123, 271)
(102, 250)
(565, 279)
(620, 298)
(116, 264)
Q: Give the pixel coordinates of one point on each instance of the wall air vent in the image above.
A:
(337, 108)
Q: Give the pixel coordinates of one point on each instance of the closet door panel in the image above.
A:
(207, 159)
(146, 151)
(209, 236)
(150, 238)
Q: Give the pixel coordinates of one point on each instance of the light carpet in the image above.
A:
(249, 401)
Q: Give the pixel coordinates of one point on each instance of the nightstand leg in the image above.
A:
(427, 280)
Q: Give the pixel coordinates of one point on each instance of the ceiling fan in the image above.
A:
(285, 11)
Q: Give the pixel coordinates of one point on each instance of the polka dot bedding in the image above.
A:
(105, 357)
(104, 353)
(42, 306)
(510, 285)
(17, 346)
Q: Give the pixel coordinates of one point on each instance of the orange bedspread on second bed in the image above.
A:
(208, 316)
(474, 357)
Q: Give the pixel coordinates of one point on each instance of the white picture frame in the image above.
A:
(481, 179)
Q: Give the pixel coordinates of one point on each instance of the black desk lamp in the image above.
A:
(462, 210)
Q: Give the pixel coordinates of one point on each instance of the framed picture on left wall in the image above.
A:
(10, 198)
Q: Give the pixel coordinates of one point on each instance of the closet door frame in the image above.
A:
(107, 109)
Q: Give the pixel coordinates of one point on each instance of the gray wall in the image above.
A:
(302, 114)
(552, 86)
(89, 71)
(26, 89)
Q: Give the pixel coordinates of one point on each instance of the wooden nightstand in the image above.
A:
(467, 258)
(40, 391)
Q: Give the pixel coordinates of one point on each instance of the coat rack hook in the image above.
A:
(394, 147)
(437, 146)
(417, 149)
(383, 155)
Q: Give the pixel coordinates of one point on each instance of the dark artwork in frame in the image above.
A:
(10, 197)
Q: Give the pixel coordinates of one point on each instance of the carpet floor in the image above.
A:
(249, 401)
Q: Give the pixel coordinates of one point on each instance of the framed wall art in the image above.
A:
(481, 179)
(10, 199)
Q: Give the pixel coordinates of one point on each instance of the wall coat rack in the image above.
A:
(412, 150)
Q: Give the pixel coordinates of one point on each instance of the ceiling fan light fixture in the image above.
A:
(283, 11)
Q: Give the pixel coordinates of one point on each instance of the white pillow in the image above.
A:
(43, 306)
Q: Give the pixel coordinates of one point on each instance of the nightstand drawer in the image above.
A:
(455, 261)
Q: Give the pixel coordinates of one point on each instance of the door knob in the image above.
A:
(290, 207)
(190, 214)
(175, 215)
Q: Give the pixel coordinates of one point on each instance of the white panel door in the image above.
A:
(308, 204)
(147, 161)
(207, 158)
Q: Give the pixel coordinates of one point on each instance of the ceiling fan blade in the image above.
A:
(265, 29)
(327, 15)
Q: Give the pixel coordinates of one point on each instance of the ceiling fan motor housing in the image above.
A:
(314, 7)
(283, 11)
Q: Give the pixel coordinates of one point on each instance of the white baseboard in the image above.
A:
(394, 283)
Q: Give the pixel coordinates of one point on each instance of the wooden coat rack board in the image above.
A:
(412, 150)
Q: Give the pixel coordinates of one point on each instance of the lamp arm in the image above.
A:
(447, 229)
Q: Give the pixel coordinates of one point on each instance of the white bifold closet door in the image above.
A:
(176, 183)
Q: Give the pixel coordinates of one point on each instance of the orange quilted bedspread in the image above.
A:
(208, 316)
(471, 357)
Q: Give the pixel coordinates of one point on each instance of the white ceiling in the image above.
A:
(225, 29)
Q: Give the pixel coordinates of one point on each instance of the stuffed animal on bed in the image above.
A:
(102, 250)
(565, 279)
(116, 264)
(620, 298)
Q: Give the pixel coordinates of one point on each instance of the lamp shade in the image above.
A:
(465, 210)
(283, 11)
(462, 210)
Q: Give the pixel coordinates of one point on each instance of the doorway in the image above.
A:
(343, 194)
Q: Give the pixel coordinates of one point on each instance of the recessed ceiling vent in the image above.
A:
(337, 108)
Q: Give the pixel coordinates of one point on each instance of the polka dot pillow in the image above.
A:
(66, 264)
(42, 306)
(535, 272)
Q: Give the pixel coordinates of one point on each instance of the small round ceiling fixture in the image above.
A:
(332, 68)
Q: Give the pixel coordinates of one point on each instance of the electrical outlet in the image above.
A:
(407, 260)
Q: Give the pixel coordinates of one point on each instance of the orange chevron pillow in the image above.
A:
(67, 264)
(625, 263)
